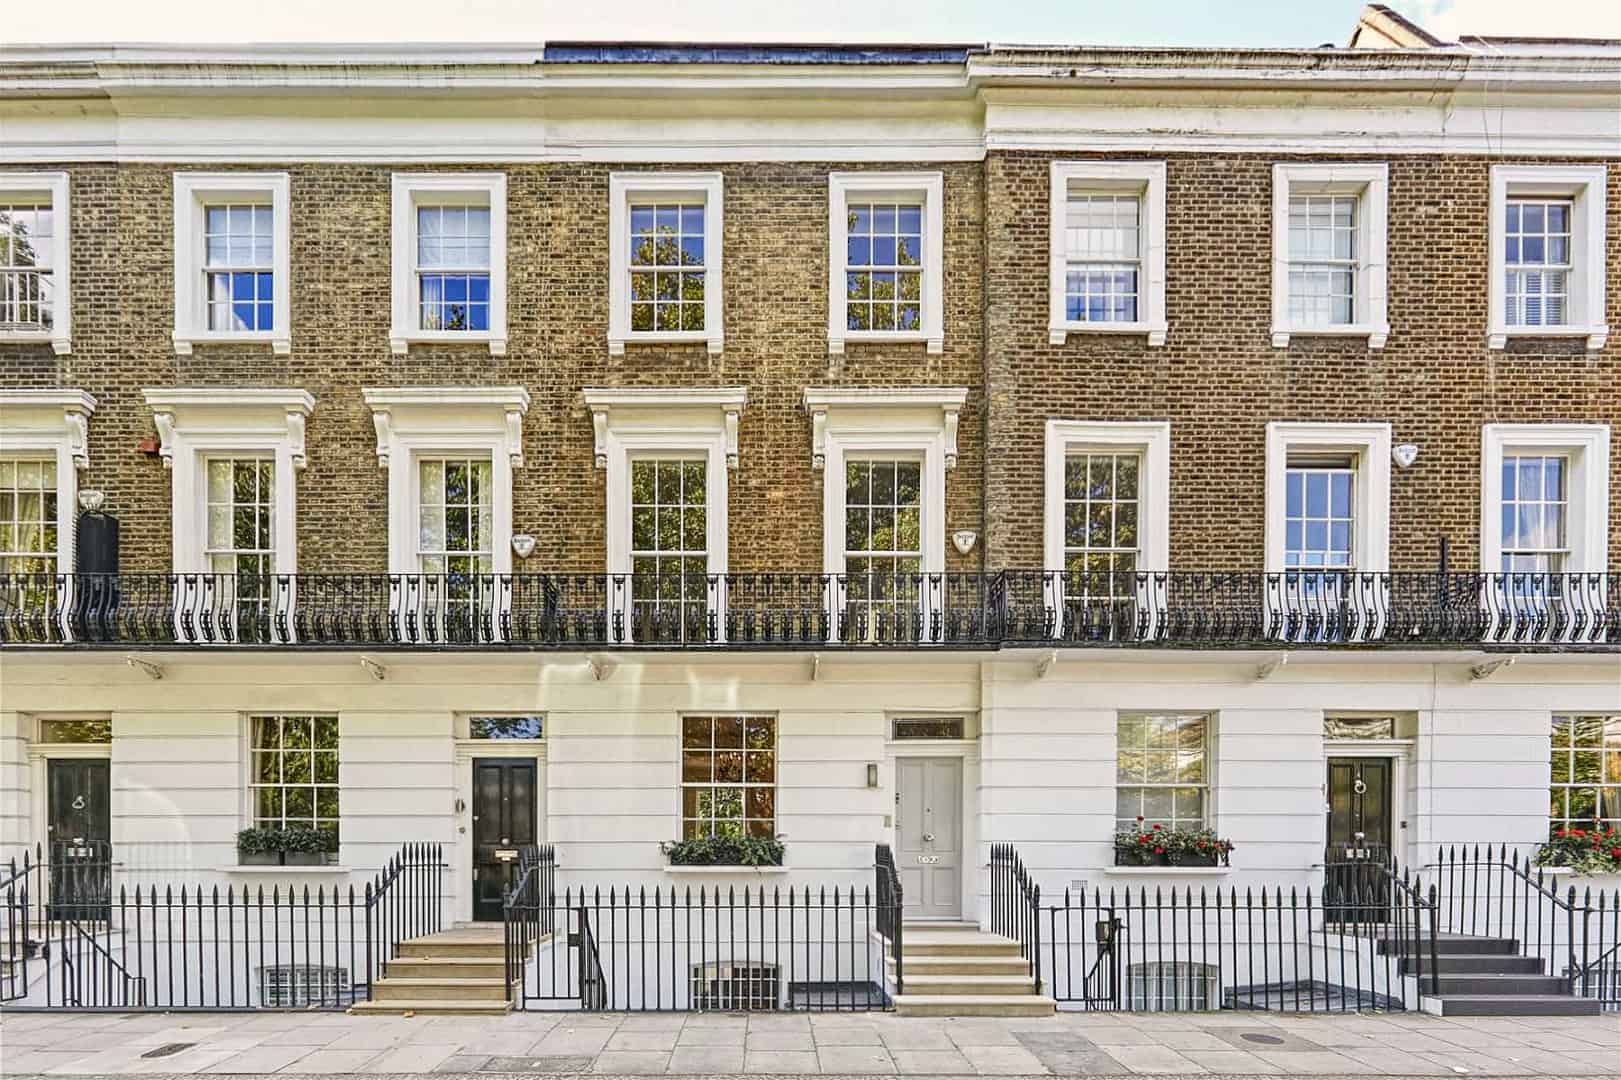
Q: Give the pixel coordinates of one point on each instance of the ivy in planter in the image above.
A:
(725, 851)
(295, 845)
(1159, 846)
(1586, 851)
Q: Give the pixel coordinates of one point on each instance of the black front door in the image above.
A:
(503, 823)
(80, 827)
(1356, 887)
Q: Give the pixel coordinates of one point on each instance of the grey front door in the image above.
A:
(928, 830)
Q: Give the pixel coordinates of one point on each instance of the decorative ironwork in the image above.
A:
(1012, 608)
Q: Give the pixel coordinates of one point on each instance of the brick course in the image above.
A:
(1219, 380)
(776, 251)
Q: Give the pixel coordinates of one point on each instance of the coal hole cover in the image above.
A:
(1256, 1037)
(167, 1049)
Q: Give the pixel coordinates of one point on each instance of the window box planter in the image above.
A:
(739, 853)
(1190, 848)
(285, 847)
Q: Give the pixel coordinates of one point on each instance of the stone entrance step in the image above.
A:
(461, 971)
(956, 969)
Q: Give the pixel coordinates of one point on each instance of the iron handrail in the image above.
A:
(996, 609)
(890, 916)
(70, 982)
(1016, 906)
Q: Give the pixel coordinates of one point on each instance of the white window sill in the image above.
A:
(617, 342)
(1376, 335)
(399, 343)
(184, 340)
(323, 868)
(722, 871)
(1167, 871)
(1057, 332)
(1596, 336)
(62, 346)
(835, 345)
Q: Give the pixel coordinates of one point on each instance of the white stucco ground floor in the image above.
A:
(938, 754)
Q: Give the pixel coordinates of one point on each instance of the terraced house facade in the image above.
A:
(602, 446)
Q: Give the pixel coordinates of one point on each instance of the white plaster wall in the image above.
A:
(15, 787)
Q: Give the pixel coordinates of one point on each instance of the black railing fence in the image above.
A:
(1194, 609)
(889, 916)
(207, 947)
(1497, 892)
(697, 949)
(1015, 905)
(1258, 948)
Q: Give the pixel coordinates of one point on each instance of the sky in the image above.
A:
(1259, 23)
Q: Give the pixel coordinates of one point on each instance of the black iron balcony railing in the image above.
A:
(1014, 608)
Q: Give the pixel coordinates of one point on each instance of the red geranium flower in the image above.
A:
(1615, 853)
(1559, 833)
(1159, 851)
(1157, 828)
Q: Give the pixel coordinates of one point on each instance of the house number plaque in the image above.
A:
(928, 859)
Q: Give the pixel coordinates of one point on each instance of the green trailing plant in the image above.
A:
(301, 838)
(1586, 851)
(1159, 846)
(724, 851)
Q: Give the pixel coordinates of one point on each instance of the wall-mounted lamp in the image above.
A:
(90, 500)
(1404, 454)
(523, 545)
(872, 774)
(963, 540)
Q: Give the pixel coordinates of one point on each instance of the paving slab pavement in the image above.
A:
(851, 1045)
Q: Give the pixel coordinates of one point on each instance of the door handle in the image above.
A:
(928, 838)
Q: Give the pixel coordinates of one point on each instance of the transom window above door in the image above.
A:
(454, 497)
(728, 776)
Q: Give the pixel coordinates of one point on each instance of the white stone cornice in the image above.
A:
(820, 401)
(425, 412)
(653, 404)
(277, 412)
(61, 415)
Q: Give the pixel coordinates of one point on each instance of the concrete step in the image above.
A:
(432, 947)
(958, 943)
(445, 967)
(431, 1008)
(1450, 945)
(927, 926)
(440, 989)
(974, 1005)
(1512, 1005)
(1466, 963)
(962, 965)
(1485, 983)
(968, 985)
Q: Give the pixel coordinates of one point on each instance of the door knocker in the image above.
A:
(1360, 786)
(78, 802)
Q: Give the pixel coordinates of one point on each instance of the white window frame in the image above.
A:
(625, 188)
(915, 422)
(1144, 179)
(417, 422)
(1587, 450)
(54, 425)
(473, 189)
(929, 189)
(193, 194)
(1369, 444)
(1151, 440)
(1584, 185)
(55, 186)
(197, 424)
(652, 422)
(1370, 183)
